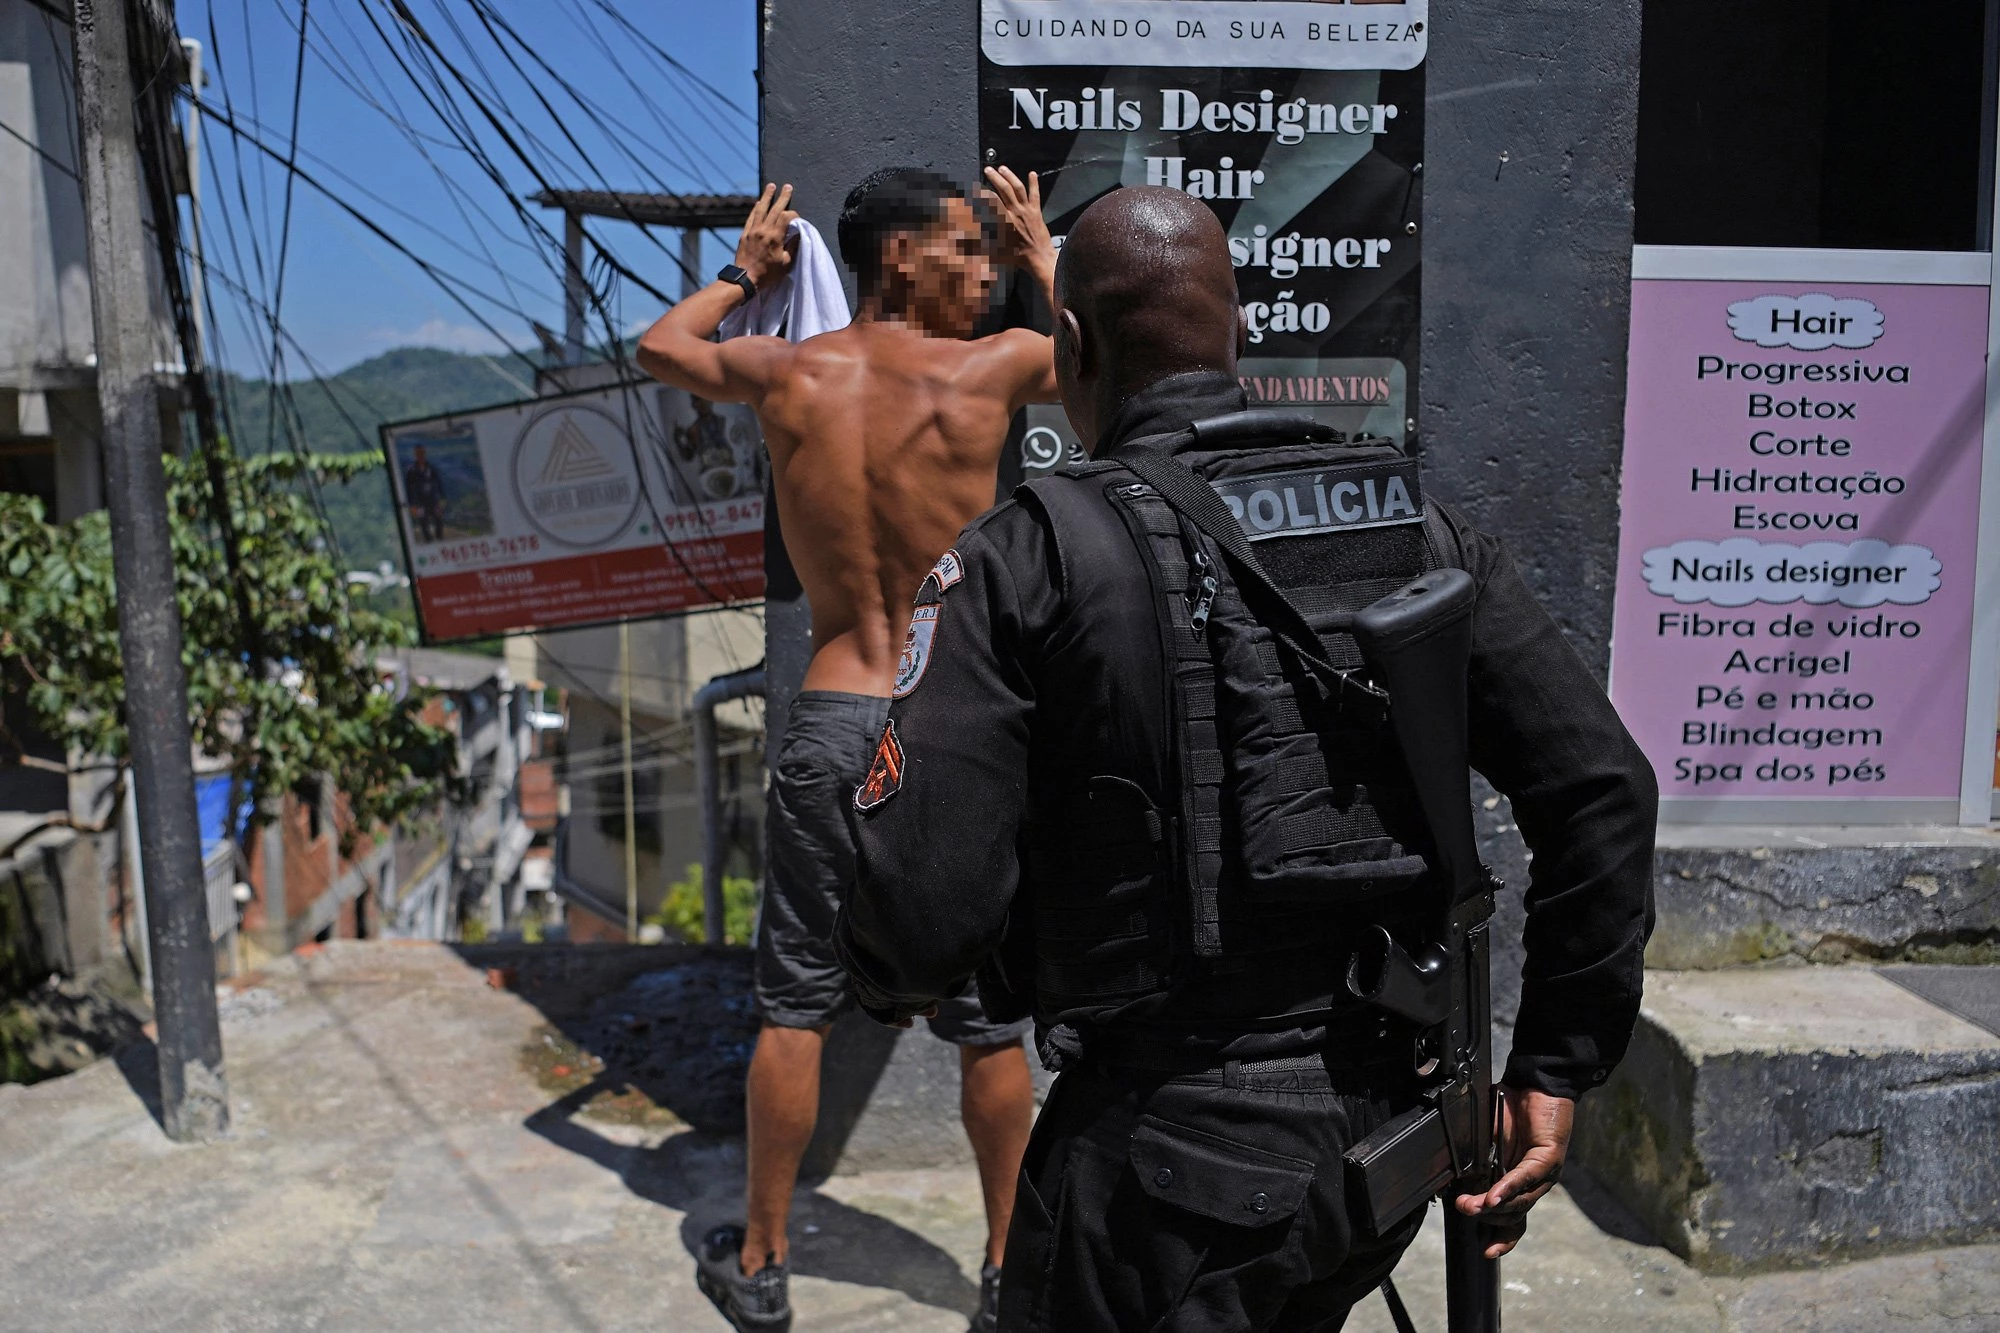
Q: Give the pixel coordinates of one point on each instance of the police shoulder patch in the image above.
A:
(945, 574)
(917, 642)
(885, 772)
(949, 569)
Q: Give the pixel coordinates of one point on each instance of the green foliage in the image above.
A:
(22, 966)
(682, 912)
(341, 417)
(17, 1038)
(316, 706)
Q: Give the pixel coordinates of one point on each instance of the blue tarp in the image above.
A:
(211, 799)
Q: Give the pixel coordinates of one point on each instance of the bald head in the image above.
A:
(1145, 290)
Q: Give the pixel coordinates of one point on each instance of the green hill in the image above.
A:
(341, 418)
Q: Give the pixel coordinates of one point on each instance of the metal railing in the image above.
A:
(218, 874)
(708, 780)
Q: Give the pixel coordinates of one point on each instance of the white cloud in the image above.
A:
(441, 333)
(1740, 571)
(1809, 323)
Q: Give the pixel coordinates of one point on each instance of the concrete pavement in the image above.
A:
(416, 1149)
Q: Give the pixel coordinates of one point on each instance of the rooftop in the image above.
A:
(447, 670)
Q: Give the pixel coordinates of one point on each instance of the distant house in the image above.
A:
(459, 873)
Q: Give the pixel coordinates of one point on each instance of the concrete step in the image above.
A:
(1784, 1116)
(1730, 896)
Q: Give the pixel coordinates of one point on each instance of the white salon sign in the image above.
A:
(1276, 34)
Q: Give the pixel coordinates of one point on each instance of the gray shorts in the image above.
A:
(828, 743)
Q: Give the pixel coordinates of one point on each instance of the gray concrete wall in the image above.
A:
(847, 89)
(48, 394)
(1787, 1117)
(1527, 284)
(1532, 111)
(55, 907)
(44, 263)
(1729, 897)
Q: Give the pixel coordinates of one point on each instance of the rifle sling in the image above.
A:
(1151, 459)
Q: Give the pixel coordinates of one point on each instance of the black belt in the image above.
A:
(1354, 1038)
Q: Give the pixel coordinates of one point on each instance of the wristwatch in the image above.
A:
(734, 273)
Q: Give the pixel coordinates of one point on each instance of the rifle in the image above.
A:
(1417, 643)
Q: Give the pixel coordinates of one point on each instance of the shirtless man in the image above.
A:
(885, 440)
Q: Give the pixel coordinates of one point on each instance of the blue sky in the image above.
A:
(347, 294)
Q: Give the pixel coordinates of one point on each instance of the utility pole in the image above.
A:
(631, 827)
(198, 271)
(193, 1094)
(576, 289)
(690, 261)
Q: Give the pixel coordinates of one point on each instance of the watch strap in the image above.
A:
(734, 273)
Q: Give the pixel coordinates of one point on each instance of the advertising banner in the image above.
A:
(1294, 34)
(1301, 124)
(1800, 524)
(613, 504)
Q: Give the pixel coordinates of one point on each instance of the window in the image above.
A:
(1816, 123)
(309, 795)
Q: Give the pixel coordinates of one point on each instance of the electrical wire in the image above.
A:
(271, 324)
(667, 128)
(40, 152)
(422, 37)
(285, 228)
(668, 59)
(431, 74)
(343, 70)
(452, 285)
(697, 579)
(424, 49)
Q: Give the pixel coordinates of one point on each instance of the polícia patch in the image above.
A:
(885, 772)
(916, 658)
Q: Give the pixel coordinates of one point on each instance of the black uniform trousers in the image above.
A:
(1199, 1203)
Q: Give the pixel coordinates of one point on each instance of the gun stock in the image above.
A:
(1418, 645)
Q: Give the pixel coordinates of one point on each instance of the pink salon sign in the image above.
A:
(1800, 518)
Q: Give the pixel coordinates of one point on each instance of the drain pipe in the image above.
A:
(707, 778)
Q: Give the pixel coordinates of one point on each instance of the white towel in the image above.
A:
(809, 300)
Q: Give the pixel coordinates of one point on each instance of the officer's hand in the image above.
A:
(1534, 1135)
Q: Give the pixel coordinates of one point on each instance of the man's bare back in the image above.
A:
(885, 436)
(884, 444)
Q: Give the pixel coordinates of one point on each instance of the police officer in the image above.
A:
(1114, 792)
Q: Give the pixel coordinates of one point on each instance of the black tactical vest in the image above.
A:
(1293, 818)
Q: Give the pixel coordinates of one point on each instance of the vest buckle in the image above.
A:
(1203, 600)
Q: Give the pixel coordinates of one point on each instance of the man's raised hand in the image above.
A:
(1024, 236)
(679, 348)
(765, 252)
